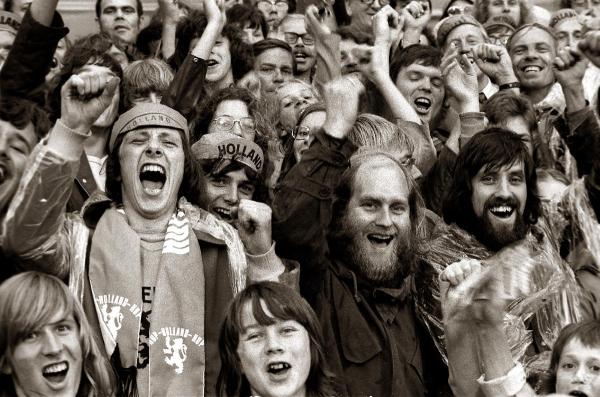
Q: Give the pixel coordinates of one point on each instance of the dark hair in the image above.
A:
(20, 112)
(482, 15)
(88, 50)
(151, 33)
(505, 104)
(267, 44)
(245, 15)
(588, 332)
(284, 304)
(192, 27)
(138, 5)
(529, 26)
(492, 148)
(143, 77)
(190, 183)
(219, 167)
(422, 54)
(354, 34)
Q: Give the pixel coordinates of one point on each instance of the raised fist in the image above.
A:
(254, 226)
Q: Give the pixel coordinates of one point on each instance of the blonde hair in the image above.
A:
(375, 132)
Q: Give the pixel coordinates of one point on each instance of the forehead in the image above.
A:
(118, 4)
(291, 88)
(431, 71)
(294, 25)
(155, 131)
(568, 25)
(531, 36)
(27, 133)
(464, 30)
(313, 118)
(247, 318)
(232, 107)
(576, 348)
(238, 176)
(275, 56)
(517, 166)
(382, 179)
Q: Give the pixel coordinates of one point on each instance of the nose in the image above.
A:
(231, 197)
(154, 149)
(119, 13)
(237, 128)
(580, 375)
(278, 78)
(426, 84)
(384, 217)
(52, 344)
(273, 343)
(504, 188)
(376, 5)
(531, 55)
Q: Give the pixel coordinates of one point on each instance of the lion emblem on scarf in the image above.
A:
(178, 351)
(113, 318)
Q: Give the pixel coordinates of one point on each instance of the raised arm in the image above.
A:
(36, 228)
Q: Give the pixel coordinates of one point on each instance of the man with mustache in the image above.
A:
(359, 281)
(303, 45)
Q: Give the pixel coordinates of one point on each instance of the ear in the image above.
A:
(141, 21)
(348, 9)
(4, 367)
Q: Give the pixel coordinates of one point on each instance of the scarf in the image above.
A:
(176, 341)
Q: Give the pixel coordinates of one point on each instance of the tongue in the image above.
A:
(151, 185)
(56, 377)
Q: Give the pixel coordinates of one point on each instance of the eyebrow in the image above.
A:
(22, 139)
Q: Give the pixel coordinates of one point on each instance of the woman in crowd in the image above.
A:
(271, 345)
(46, 346)
(520, 11)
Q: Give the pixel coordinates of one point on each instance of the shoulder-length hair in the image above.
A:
(30, 300)
(482, 15)
(492, 148)
(284, 304)
(190, 183)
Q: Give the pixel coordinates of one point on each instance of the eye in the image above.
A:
(437, 82)
(595, 368)
(266, 69)
(170, 144)
(398, 208)
(369, 205)
(567, 366)
(219, 181)
(253, 336)
(488, 179)
(414, 76)
(19, 147)
(288, 330)
(30, 337)
(63, 328)
(247, 189)
(516, 179)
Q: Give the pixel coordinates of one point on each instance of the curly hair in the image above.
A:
(24, 308)
(283, 304)
(20, 112)
(193, 26)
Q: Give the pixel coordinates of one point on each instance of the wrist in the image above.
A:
(74, 126)
(469, 106)
(337, 129)
(507, 78)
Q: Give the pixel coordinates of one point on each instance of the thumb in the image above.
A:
(111, 87)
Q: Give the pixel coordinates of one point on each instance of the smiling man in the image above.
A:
(120, 19)
(161, 268)
(302, 43)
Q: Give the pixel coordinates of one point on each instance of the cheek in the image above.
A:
(563, 381)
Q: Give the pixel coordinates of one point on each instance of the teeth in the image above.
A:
(381, 236)
(2, 174)
(153, 168)
(501, 209)
(278, 366)
(532, 69)
(55, 368)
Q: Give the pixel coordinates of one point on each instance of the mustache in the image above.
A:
(501, 201)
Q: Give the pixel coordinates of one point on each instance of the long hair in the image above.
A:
(190, 183)
(284, 304)
(30, 300)
(492, 148)
(482, 15)
(587, 332)
(140, 78)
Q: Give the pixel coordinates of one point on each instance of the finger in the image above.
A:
(111, 86)
(466, 65)
(559, 64)
(77, 83)
(448, 60)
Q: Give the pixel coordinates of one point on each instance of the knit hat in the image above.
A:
(564, 13)
(223, 145)
(499, 21)
(9, 22)
(449, 24)
(148, 115)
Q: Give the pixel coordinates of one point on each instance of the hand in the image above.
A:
(85, 97)
(590, 47)
(251, 82)
(416, 17)
(316, 24)
(378, 67)
(472, 295)
(387, 25)
(214, 12)
(569, 68)
(494, 61)
(254, 226)
(461, 80)
(341, 98)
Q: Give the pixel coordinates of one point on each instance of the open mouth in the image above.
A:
(502, 211)
(423, 104)
(224, 213)
(577, 393)
(56, 373)
(211, 62)
(300, 56)
(153, 178)
(278, 369)
(380, 240)
(531, 69)
(4, 174)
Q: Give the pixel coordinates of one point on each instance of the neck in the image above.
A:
(536, 95)
(143, 225)
(225, 82)
(304, 76)
(299, 393)
(95, 145)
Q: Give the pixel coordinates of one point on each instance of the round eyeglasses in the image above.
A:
(226, 123)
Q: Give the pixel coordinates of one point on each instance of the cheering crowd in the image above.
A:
(264, 198)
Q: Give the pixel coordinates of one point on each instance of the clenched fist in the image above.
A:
(254, 226)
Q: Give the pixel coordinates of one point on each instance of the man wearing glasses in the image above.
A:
(302, 43)
(275, 12)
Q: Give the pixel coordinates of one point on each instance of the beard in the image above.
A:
(388, 270)
(495, 235)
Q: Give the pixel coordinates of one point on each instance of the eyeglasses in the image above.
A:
(292, 38)
(457, 10)
(382, 3)
(265, 5)
(301, 133)
(226, 123)
(499, 39)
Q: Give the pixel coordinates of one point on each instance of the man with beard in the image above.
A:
(303, 45)
(359, 282)
(153, 270)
